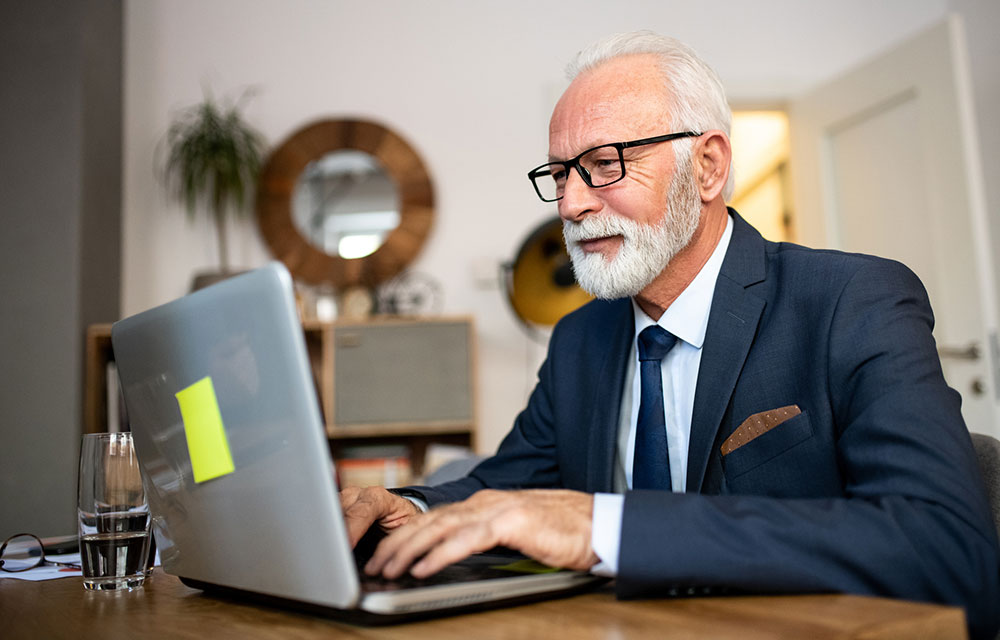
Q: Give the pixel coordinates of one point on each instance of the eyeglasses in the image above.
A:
(599, 167)
(24, 551)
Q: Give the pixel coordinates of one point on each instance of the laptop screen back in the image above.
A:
(237, 468)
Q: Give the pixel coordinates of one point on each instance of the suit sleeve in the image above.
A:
(913, 522)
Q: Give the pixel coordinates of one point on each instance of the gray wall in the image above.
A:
(60, 207)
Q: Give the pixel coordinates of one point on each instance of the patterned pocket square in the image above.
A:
(757, 425)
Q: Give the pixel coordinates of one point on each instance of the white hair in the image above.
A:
(697, 96)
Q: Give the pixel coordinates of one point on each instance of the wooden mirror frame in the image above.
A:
(306, 261)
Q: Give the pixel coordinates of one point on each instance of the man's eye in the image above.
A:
(600, 160)
(559, 175)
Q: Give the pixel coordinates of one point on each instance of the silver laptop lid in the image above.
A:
(230, 439)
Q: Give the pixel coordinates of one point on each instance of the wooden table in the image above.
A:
(165, 608)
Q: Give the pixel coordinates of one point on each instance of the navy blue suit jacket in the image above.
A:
(873, 489)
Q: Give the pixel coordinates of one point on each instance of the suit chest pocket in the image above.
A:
(788, 461)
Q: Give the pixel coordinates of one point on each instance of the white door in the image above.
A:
(885, 161)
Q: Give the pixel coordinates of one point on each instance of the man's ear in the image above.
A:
(712, 157)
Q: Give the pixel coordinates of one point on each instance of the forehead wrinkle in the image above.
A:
(623, 99)
(592, 139)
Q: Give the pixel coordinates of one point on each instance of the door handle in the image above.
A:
(970, 352)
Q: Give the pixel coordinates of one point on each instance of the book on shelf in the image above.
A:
(376, 465)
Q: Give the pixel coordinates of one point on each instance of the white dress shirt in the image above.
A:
(686, 318)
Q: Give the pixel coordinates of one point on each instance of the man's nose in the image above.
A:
(578, 199)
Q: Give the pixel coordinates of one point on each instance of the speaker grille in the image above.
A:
(415, 373)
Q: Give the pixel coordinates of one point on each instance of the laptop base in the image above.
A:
(361, 617)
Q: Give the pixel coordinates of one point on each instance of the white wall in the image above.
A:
(470, 85)
(981, 21)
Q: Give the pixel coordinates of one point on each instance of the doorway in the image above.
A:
(762, 194)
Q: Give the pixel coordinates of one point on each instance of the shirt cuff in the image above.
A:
(606, 532)
(412, 495)
(420, 504)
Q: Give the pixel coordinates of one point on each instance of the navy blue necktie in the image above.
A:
(650, 463)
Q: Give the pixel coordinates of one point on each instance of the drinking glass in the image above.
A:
(113, 514)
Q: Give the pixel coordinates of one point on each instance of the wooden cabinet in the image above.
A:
(387, 382)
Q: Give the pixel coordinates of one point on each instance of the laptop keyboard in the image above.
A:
(471, 569)
(480, 566)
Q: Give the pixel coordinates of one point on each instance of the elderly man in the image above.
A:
(731, 412)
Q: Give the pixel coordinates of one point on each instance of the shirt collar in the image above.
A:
(687, 316)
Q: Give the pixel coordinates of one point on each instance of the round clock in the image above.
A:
(356, 303)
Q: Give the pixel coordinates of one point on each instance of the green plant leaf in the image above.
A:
(213, 162)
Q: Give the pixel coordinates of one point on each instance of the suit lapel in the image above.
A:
(606, 404)
(732, 324)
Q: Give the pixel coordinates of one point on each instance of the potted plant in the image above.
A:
(213, 161)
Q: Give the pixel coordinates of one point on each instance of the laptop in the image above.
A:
(237, 468)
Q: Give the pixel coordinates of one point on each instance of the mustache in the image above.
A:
(593, 227)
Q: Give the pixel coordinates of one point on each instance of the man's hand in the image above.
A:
(552, 527)
(364, 507)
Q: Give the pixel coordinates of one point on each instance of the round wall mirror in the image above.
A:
(345, 202)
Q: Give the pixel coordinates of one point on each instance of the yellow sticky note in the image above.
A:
(527, 565)
(206, 437)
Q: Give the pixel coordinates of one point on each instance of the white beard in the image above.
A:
(646, 249)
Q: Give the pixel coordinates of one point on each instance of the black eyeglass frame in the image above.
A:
(545, 169)
(42, 560)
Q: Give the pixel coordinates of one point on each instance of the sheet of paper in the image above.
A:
(51, 572)
(48, 571)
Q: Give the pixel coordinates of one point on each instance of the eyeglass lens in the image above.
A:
(600, 167)
(20, 553)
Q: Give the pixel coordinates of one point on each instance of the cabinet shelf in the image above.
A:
(347, 432)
